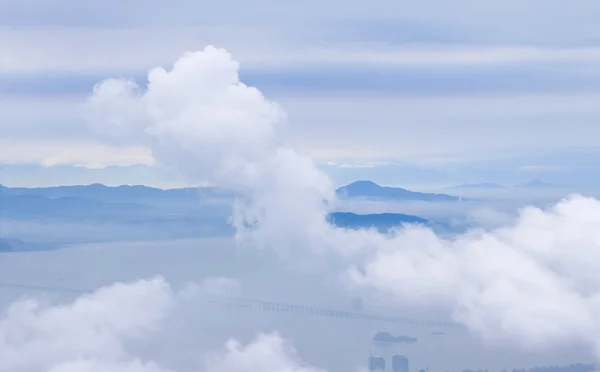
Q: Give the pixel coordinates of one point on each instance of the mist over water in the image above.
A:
(193, 327)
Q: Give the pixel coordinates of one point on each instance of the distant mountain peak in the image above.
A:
(96, 186)
(369, 189)
(363, 183)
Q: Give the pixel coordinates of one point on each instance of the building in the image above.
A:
(376, 363)
(399, 363)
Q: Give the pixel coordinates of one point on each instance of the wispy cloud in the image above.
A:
(88, 154)
(428, 83)
(89, 50)
(543, 168)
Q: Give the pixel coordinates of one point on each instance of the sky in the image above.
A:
(434, 93)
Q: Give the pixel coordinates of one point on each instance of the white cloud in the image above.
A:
(94, 365)
(367, 163)
(238, 124)
(88, 333)
(426, 130)
(75, 37)
(81, 153)
(543, 168)
(530, 283)
(84, 49)
(444, 55)
(436, 130)
(533, 283)
(267, 353)
(100, 331)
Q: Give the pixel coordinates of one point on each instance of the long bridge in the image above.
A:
(267, 306)
(280, 307)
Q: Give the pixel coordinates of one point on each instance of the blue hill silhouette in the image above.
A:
(118, 193)
(101, 213)
(382, 221)
(371, 190)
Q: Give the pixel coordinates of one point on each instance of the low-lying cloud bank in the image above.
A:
(105, 331)
(534, 282)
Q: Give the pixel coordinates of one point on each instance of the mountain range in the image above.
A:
(139, 193)
(124, 193)
(50, 216)
(92, 213)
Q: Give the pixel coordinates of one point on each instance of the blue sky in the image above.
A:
(427, 93)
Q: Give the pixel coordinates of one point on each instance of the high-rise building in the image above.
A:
(399, 363)
(376, 363)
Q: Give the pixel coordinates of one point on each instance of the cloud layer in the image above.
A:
(89, 334)
(394, 51)
(534, 283)
(106, 331)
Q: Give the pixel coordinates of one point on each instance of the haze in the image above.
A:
(207, 187)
